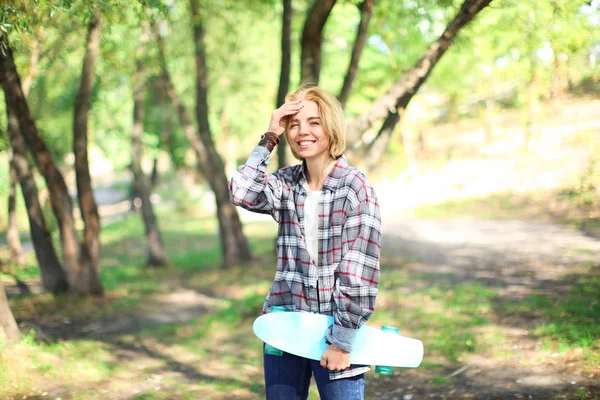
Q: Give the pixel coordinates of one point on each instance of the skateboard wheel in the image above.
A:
(382, 369)
(268, 348)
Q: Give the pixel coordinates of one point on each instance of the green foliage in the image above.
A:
(492, 57)
(512, 43)
(398, 33)
(587, 192)
(494, 206)
(4, 141)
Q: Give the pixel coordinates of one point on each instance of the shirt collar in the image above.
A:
(331, 182)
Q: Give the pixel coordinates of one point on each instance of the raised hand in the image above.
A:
(280, 116)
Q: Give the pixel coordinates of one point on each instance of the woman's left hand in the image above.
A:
(335, 359)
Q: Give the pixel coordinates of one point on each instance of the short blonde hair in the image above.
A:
(331, 113)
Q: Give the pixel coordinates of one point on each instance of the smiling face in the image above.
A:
(307, 135)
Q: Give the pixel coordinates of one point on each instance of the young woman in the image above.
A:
(328, 243)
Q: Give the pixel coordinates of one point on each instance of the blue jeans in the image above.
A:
(287, 377)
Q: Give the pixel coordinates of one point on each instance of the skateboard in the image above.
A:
(303, 334)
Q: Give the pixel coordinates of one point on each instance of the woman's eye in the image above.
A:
(293, 125)
(315, 123)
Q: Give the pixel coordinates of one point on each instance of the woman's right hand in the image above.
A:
(280, 116)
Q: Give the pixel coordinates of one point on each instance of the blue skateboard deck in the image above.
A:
(303, 334)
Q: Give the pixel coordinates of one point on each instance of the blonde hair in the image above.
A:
(331, 113)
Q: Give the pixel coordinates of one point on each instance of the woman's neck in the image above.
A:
(317, 171)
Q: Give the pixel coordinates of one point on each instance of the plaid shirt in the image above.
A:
(344, 284)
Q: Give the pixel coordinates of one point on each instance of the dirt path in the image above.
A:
(517, 258)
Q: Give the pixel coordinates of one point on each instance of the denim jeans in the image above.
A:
(287, 377)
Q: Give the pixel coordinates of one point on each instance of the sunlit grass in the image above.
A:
(494, 206)
(445, 318)
(569, 321)
(216, 352)
(33, 365)
(556, 206)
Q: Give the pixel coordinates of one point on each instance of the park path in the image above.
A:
(515, 255)
(516, 258)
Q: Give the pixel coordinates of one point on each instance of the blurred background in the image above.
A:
(129, 275)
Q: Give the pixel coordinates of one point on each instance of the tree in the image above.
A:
(234, 245)
(89, 280)
(392, 104)
(312, 38)
(53, 276)
(284, 75)
(62, 206)
(9, 330)
(233, 242)
(366, 9)
(157, 256)
(12, 233)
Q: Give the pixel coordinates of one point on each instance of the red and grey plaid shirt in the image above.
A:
(344, 282)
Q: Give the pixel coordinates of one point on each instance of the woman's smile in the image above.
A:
(306, 143)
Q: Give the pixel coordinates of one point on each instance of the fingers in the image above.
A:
(289, 108)
(324, 362)
(279, 117)
(332, 365)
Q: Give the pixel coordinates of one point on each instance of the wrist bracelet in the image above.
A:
(269, 140)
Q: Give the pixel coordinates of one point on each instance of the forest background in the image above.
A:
(127, 268)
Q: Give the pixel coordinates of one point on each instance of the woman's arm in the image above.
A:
(250, 187)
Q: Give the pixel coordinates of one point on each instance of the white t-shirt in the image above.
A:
(311, 223)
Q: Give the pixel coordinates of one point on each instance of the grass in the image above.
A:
(554, 206)
(216, 355)
(570, 321)
(500, 205)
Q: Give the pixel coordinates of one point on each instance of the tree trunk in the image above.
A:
(89, 279)
(312, 37)
(366, 9)
(399, 95)
(9, 330)
(233, 242)
(379, 145)
(53, 276)
(488, 119)
(157, 256)
(59, 195)
(166, 126)
(284, 74)
(154, 173)
(12, 232)
(234, 245)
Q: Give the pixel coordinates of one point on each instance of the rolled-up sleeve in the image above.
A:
(357, 279)
(252, 189)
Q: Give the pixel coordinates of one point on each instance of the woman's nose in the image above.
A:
(303, 129)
